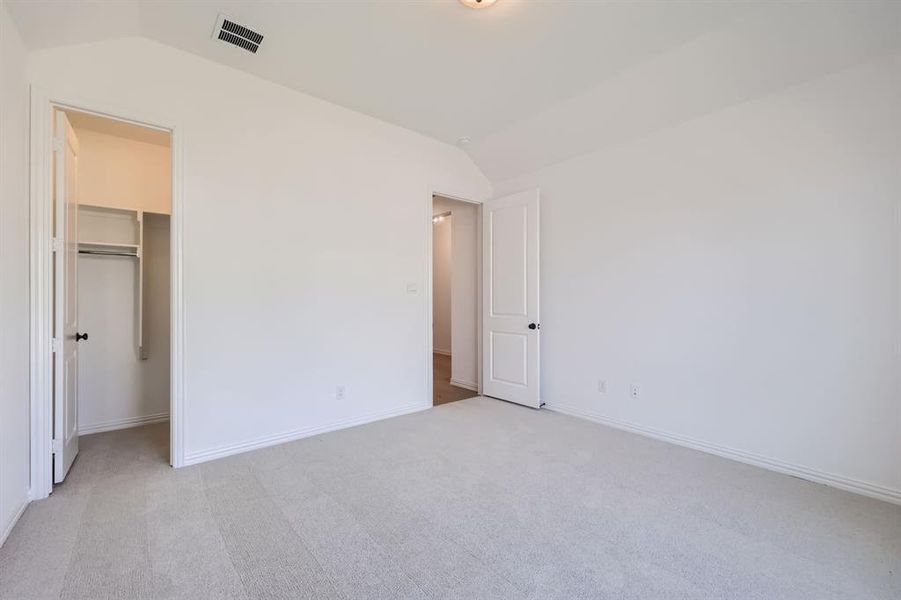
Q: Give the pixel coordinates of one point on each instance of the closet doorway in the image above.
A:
(112, 201)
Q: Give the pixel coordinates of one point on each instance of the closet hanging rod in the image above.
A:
(102, 253)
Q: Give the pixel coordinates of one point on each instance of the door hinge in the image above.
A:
(56, 446)
(56, 345)
(55, 245)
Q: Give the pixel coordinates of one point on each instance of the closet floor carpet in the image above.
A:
(473, 499)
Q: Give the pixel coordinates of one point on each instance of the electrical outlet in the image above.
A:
(602, 386)
(634, 391)
(339, 392)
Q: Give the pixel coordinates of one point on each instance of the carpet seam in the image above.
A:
(81, 525)
(298, 534)
(206, 499)
(382, 549)
(453, 541)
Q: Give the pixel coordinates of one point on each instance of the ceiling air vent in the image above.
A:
(231, 33)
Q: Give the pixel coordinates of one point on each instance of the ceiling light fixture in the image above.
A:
(478, 3)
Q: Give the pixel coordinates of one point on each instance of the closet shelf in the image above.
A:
(112, 248)
(99, 227)
(107, 244)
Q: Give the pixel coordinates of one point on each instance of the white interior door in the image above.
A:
(510, 325)
(65, 326)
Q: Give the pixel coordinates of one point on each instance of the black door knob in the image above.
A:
(80, 336)
(534, 326)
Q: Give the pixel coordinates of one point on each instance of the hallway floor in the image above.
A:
(443, 390)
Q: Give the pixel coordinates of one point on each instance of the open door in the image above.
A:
(65, 317)
(510, 324)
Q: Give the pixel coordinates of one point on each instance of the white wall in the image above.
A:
(303, 230)
(464, 289)
(119, 172)
(442, 278)
(116, 387)
(744, 269)
(14, 308)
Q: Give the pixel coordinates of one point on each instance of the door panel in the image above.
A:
(508, 244)
(510, 305)
(509, 353)
(65, 410)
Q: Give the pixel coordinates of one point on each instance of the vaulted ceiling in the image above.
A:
(530, 83)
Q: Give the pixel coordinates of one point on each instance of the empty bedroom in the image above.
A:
(540, 299)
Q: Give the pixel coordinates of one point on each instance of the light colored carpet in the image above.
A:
(473, 499)
(443, 391)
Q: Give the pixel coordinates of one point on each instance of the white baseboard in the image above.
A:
(9, 527)
(122, 423)
(465, 384)
(289, 436)
(441, 352)
(838, 481)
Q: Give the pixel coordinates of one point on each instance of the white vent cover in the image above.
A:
(230, 32)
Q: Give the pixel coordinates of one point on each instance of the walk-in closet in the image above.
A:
(123, 174)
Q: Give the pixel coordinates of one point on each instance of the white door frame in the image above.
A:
(43, 103)
(430, 374)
